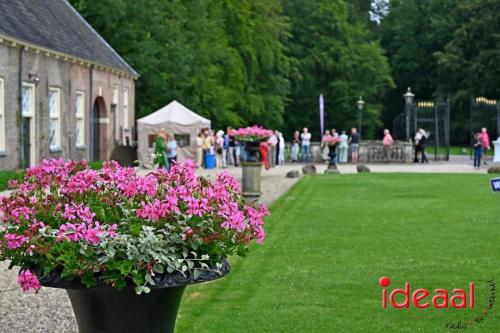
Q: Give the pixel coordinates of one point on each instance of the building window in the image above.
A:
(80, 115)
(116, 99)
(28, 100)
(2, 116)
(125, 109)
(55, 118)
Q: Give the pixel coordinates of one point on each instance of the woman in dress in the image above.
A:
(160, 149)
(343, 147)
(295, 146)
(325, 150)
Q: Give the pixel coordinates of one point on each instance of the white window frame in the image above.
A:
(116, 101)
(125, 109)
(80, 119)
(2, 116)
(56, 116)
(31, 118)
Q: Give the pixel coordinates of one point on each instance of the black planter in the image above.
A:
(252, 148)
(332, 154)
(104, 309)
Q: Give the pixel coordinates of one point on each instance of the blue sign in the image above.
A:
(495, 184)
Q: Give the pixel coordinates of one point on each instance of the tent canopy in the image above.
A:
(175, 119)
(175, 113)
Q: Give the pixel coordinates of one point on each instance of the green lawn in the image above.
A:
(331, 238)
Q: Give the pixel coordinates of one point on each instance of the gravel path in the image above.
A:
(50, 310)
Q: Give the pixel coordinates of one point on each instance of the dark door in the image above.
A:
(96, 130)
(26, 142)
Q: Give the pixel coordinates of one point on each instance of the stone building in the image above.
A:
(64, 92)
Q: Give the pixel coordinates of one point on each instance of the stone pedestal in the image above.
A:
(332, 169)
(496, 145)
(251, 180)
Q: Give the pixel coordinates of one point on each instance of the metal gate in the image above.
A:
(434, 118)
(485, 112)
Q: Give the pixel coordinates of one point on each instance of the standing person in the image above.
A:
(273, 142)
(295, 146)
(225, 148)
(387, 142)
(325, 150)
(160, 150)
(343, 147)
(237, 152)
(263, 150)
(422, 142)
(354, 141)
(306, 144)
(485, 143)
(416, 143)
(171, 150)
(335, 147)
(199, 150)
(281, 144)
(207, 145)
(219, 149)
(230, 148)
(478, 150)
(277, 159)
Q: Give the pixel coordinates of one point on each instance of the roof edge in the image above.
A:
(133, 71)
(15, 42)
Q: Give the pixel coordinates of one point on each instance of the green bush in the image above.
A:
(6, 175)
(96, 165)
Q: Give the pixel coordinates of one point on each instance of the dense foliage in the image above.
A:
(443, 48)
(115, 227)
(242, 62)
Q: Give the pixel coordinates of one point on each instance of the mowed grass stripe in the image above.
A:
(331, 238)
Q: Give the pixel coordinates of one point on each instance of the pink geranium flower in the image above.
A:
(27, 280)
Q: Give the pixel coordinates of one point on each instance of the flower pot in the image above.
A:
(252, 148)
(104, 309)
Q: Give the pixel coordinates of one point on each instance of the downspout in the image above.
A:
(91, 113)
(21, 120)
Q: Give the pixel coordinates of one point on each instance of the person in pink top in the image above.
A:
(484, 138)
(387, 143)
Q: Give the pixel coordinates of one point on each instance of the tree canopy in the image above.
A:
(244, 62)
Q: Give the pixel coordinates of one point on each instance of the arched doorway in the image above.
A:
(99, 130)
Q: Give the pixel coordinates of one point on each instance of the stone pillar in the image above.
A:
(251, 180)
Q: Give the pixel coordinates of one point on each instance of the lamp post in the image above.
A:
(360, 104)
(409, 98)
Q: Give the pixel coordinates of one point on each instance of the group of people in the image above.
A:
(341, 147)
(481, 145)
(272, 151)
(219, 144)
(165, 150)
(228, 151)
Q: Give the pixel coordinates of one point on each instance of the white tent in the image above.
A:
(175, 119)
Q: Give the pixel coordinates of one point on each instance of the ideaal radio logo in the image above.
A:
(458, 298)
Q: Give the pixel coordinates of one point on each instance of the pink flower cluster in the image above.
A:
(254, 132)
(27, 280)
(330, 139)
(62, 201)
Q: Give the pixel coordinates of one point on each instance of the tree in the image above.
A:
(469, 62)
(333, 55)
(411, 33)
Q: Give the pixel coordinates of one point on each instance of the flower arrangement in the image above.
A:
(251, 134)
(114, 227)
(331, 140)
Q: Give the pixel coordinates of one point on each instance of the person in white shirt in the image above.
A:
(273, 142)
(281, 157)
(306, 144)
